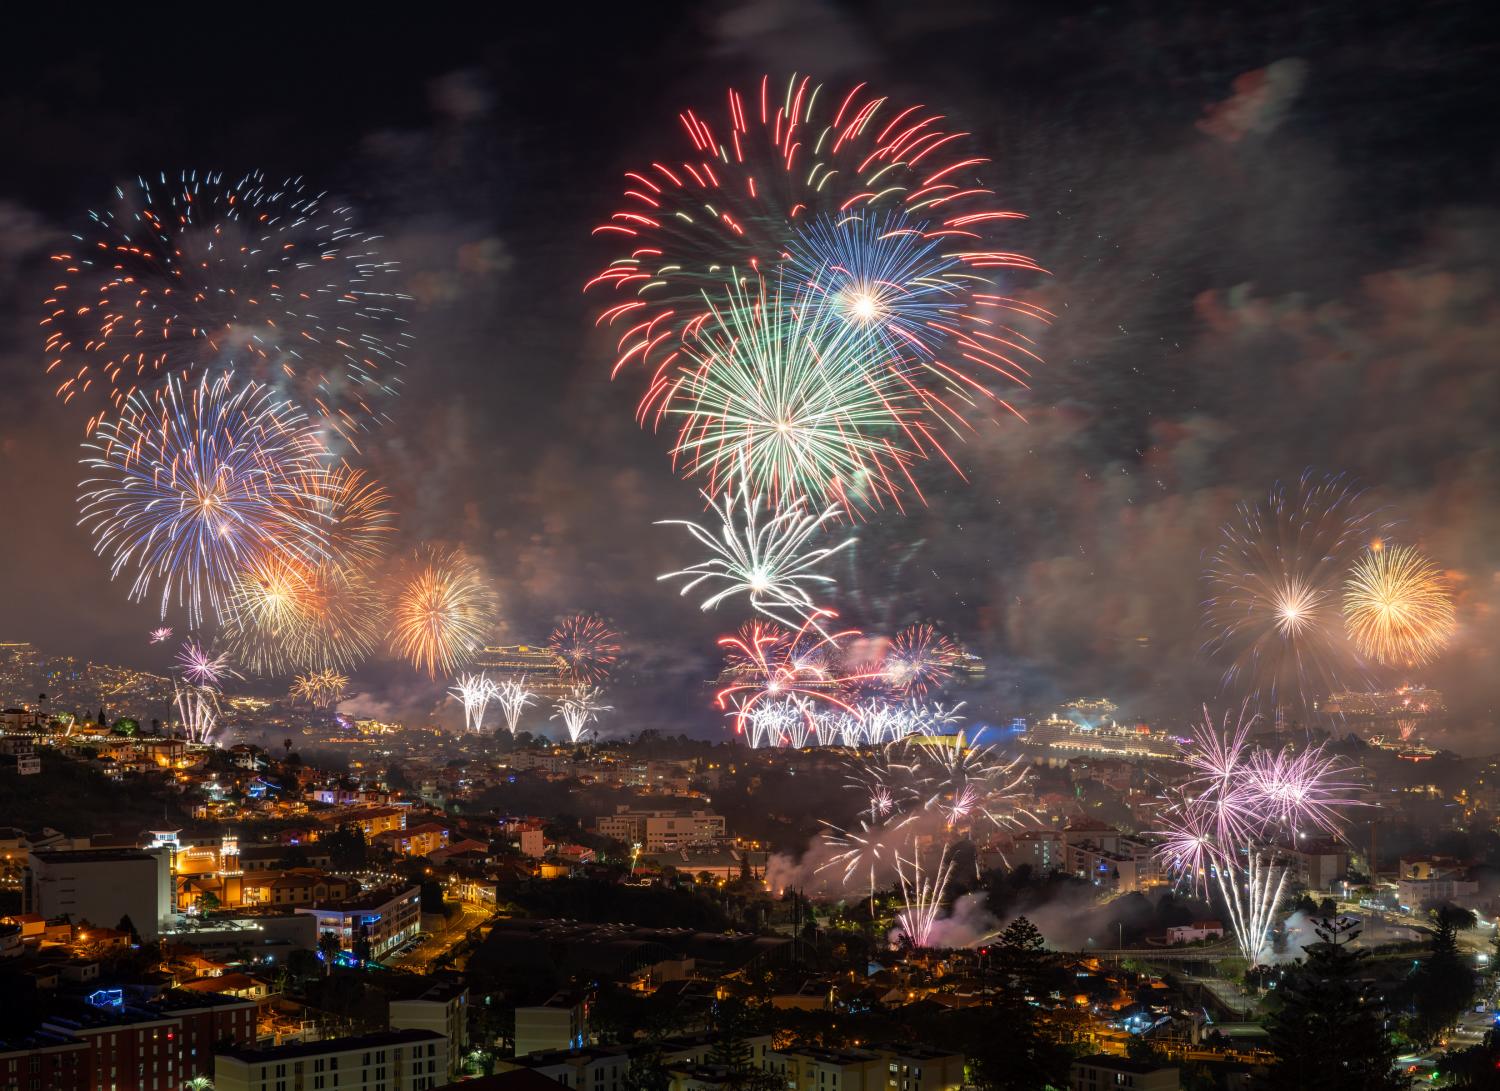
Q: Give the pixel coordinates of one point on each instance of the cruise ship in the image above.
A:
(1059, 739)
(544, 670)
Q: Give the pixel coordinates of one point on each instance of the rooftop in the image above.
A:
(380, 1040)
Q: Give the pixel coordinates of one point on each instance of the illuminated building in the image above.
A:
(388, 1060)
(103, 885)
(383, 918)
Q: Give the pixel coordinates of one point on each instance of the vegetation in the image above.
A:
(1329, 1033)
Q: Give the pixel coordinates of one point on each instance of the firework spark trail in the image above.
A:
(319, 689)
(588, 647)
(444, 610)
(871, 215)
(191, 485)
(514, 698)
(476, 691)
(201, 668)
(161, 635)
(197, 710)
(580, 707)
(1398, 607)
(922, 894)
(1232, 820)
(769, 663)
(920, 660)
(192, 276)
(772, 723)
(1274, 581)
(771, 562)
(869, 851)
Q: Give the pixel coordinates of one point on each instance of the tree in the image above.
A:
(328, 947)
(1328, 1033)
(731, 1027)
(363, 950)
(1006, 1045)
(208, 901)
(302, 966)
(347, 848)
(646, 1071)
(1475, 1068)
(1444, 986)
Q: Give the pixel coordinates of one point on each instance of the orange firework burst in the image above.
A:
(444, 609)
(1398, 607)
(314, 614)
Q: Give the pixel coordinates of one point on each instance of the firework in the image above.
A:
(769, 400)
(188, 487)
(1227, 824)
(287, 614)
(578, 708)
(767, 662)
(1273, 616)
(772, 723)
(869, 850)
(293, 614)
(588, 647)
(161, 635)
(513, 697)
(871, 211)
(920, 660)
(1398, 607)
(771, 562)
(922, 894)
(444, 608)
(320, 689)
(197, 711)
(476, 692)
(196, 276)
(201, 668)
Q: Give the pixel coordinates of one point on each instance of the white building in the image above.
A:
(386, 919)
(101, 886)
(559, 1024)
(444, 1008)
(392, 1060)
(661, 831)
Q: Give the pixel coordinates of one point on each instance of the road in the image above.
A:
(419, 959)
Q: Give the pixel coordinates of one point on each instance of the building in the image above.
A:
(103, 886)
(53, 1061)
(303, 886)
(421, 840)
(526, 834)
(661, 831)
(156, 1044)
(560, 1024)
(1102, 1072)
(1419, 893)
(384, 918)
(593, 1068)
(391, 1060)
(1195, 932)
(1320, 865)
(444, 1009)
(813, 1069)
(18, 755)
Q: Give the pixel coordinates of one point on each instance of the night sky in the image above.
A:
(1272, 240)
